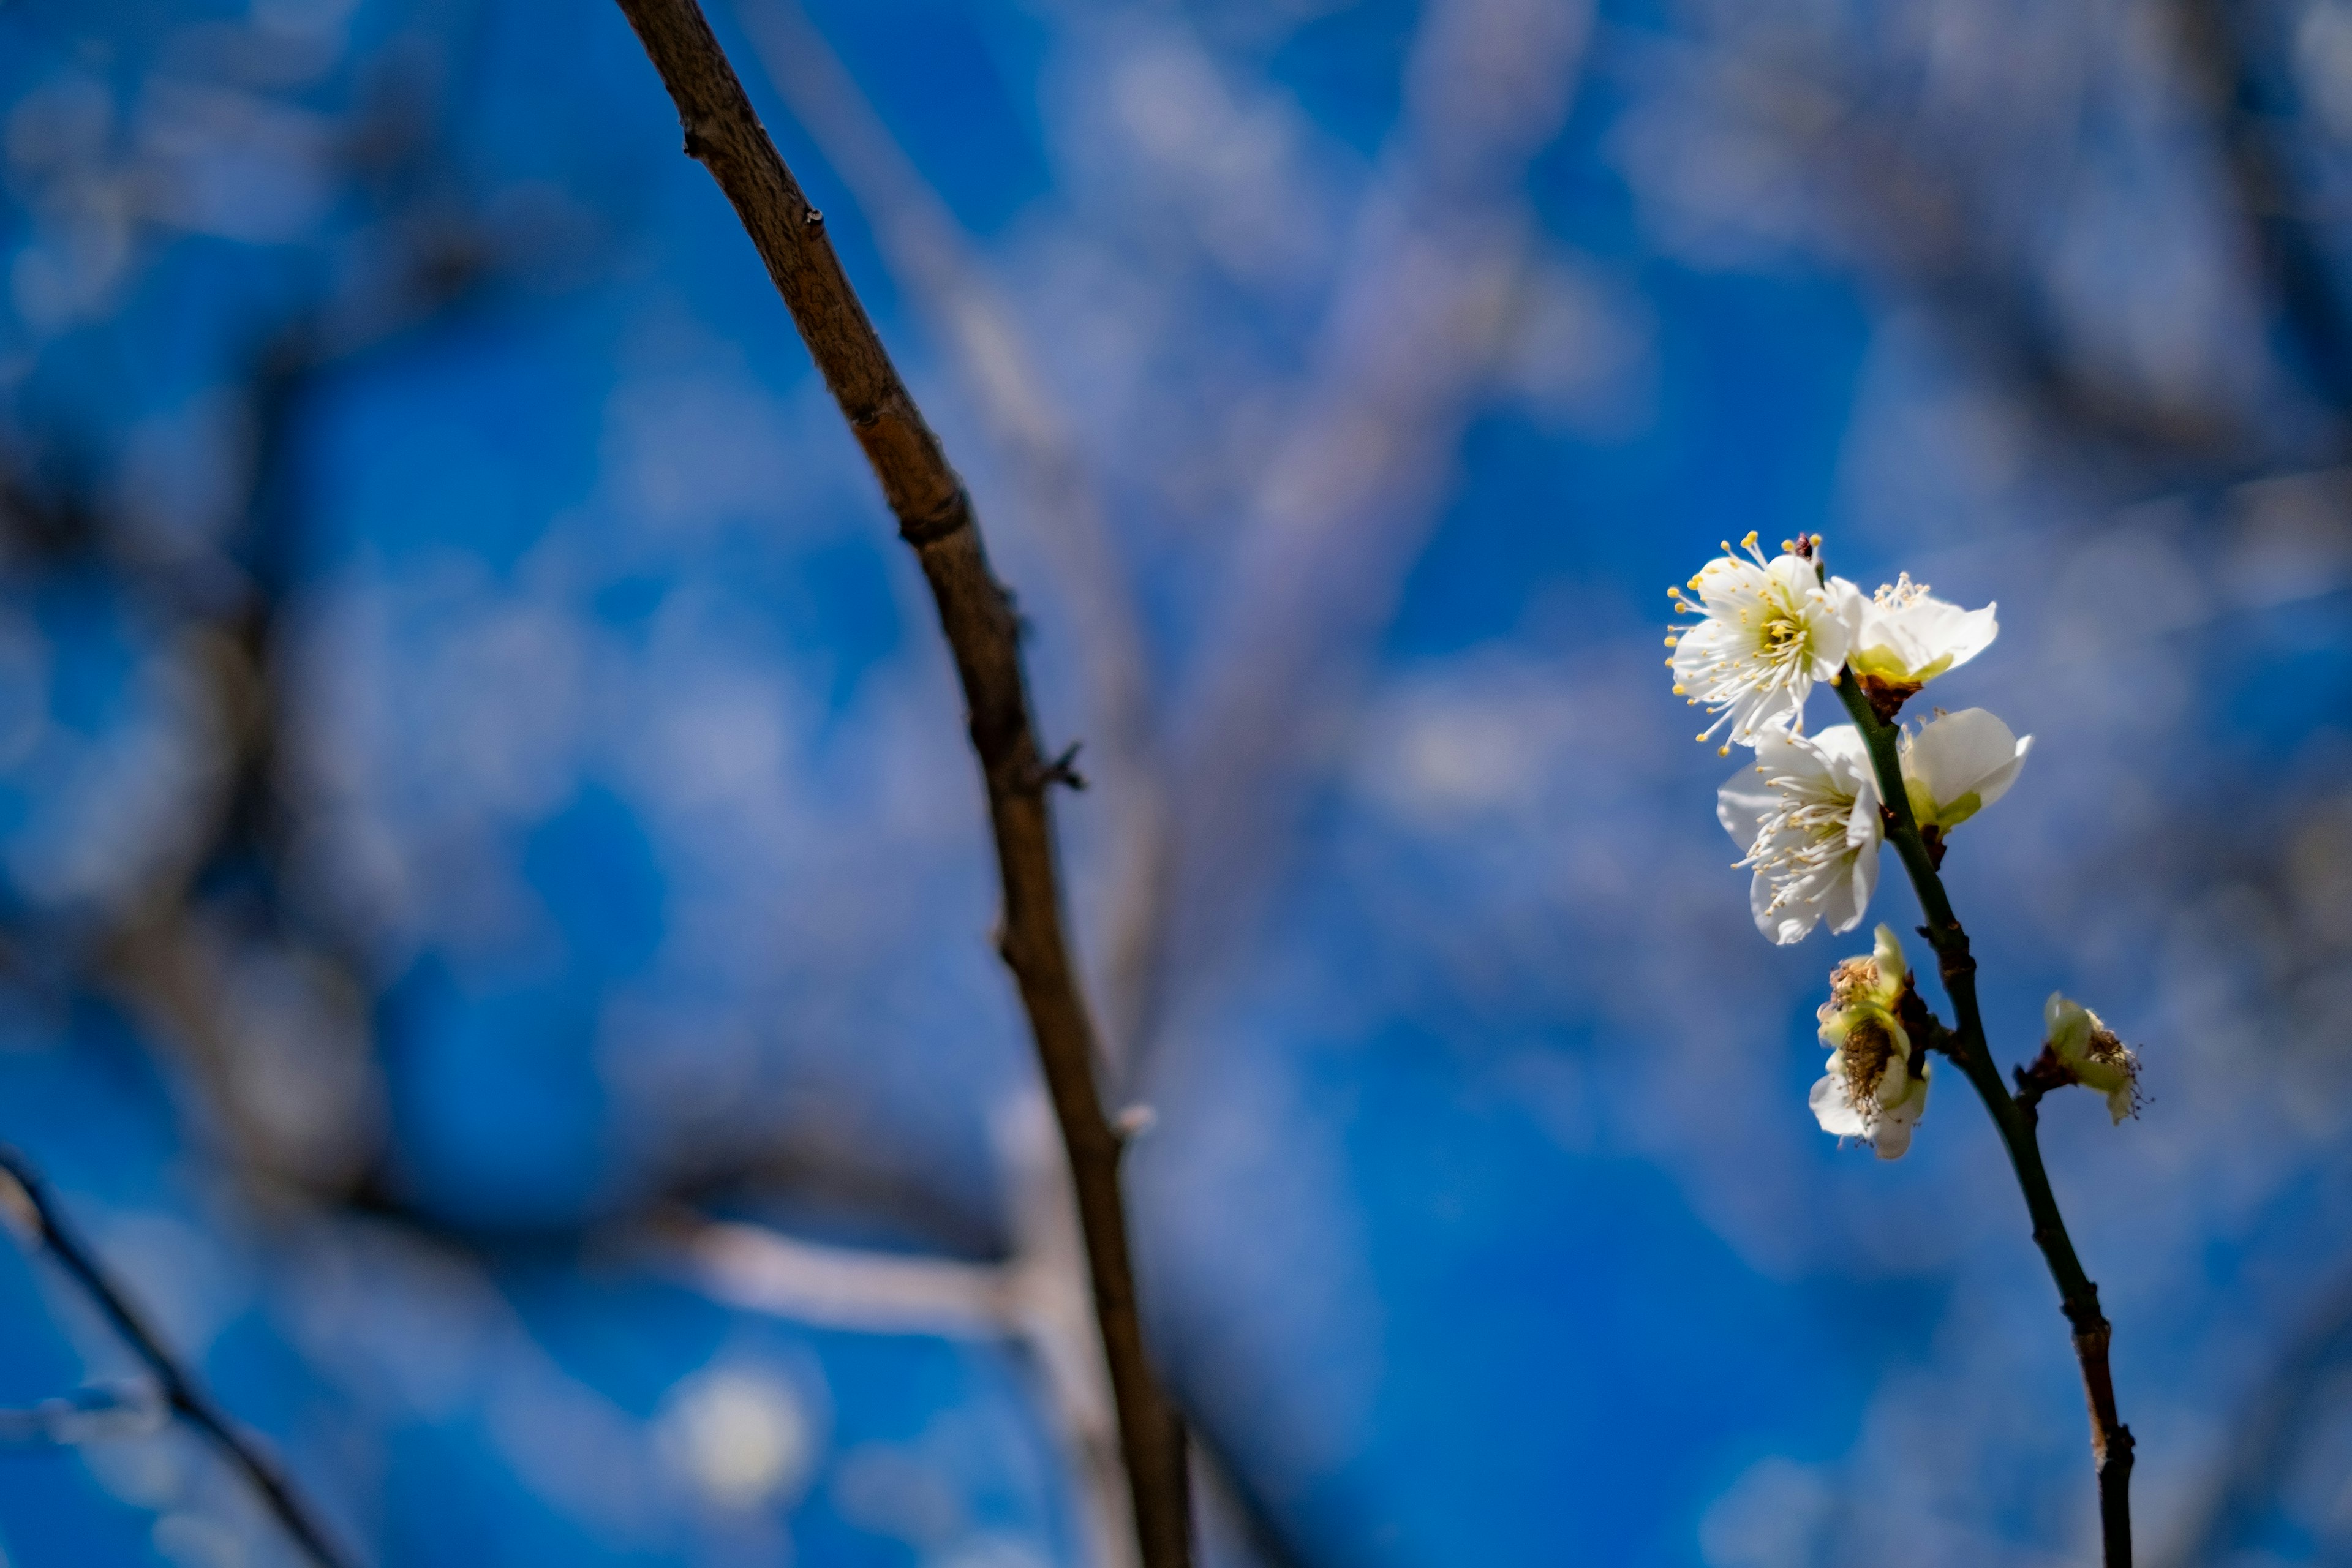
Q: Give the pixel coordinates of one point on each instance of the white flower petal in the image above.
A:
(1906, 636)
(1833, 1110)
(1958, 764)
(1742, 805)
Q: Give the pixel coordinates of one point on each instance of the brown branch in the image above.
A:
(935, 261)
(27, 1199)
(935, 516)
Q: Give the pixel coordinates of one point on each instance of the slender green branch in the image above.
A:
(2016, 1120)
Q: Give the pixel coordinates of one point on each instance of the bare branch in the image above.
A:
(935, 516)
(27, 1199)
(935, 261)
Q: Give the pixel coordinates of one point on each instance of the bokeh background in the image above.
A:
(496, 901)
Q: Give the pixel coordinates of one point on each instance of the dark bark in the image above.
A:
(936, 518)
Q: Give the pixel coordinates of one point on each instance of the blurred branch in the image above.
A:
(2282, 240)
(1913, 220)
(27, 1199)
(87, 1415)
(936, 263)
(1037, 1297)
(2015, 1119)
(1440, 246)
(2282, 1417)
(936, 516)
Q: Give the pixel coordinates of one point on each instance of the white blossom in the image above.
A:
(1805, 813)
(1958, 763)
(1870, 1089)
(1768, 631)
(2088, 1049)
(1906, 637)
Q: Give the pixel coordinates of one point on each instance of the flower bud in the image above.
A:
(2090, 1051)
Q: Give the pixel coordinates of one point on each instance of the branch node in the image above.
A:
(1039, 776)
(950, 519)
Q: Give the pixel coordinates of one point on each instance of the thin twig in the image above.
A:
(2016, 1120)
(41, 1212)
(935, 516)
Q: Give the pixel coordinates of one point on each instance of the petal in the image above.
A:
(1833, 1109)
(1843, 755)
(1969, 634)
(1728, 578)
(1783, 756)
(1864, 826)
(1996, 783)
(1788, 924)
(1918, 638)
(1843, 904)
(2054, 1012)
(1955, 756)
(1891, 1137)
(1794, 576)
(1893, 969)
(1893, 1140)
(1742, 804)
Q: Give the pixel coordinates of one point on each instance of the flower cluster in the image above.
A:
(1810, 817)
(1806, 813)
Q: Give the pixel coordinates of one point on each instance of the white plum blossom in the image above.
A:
(1957, 764)
(1769, 629)
(1875, 1086)
(1805, 815)
(2092, 1054)
(1906, 637)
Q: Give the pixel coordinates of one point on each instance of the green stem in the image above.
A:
(2016, 1120)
